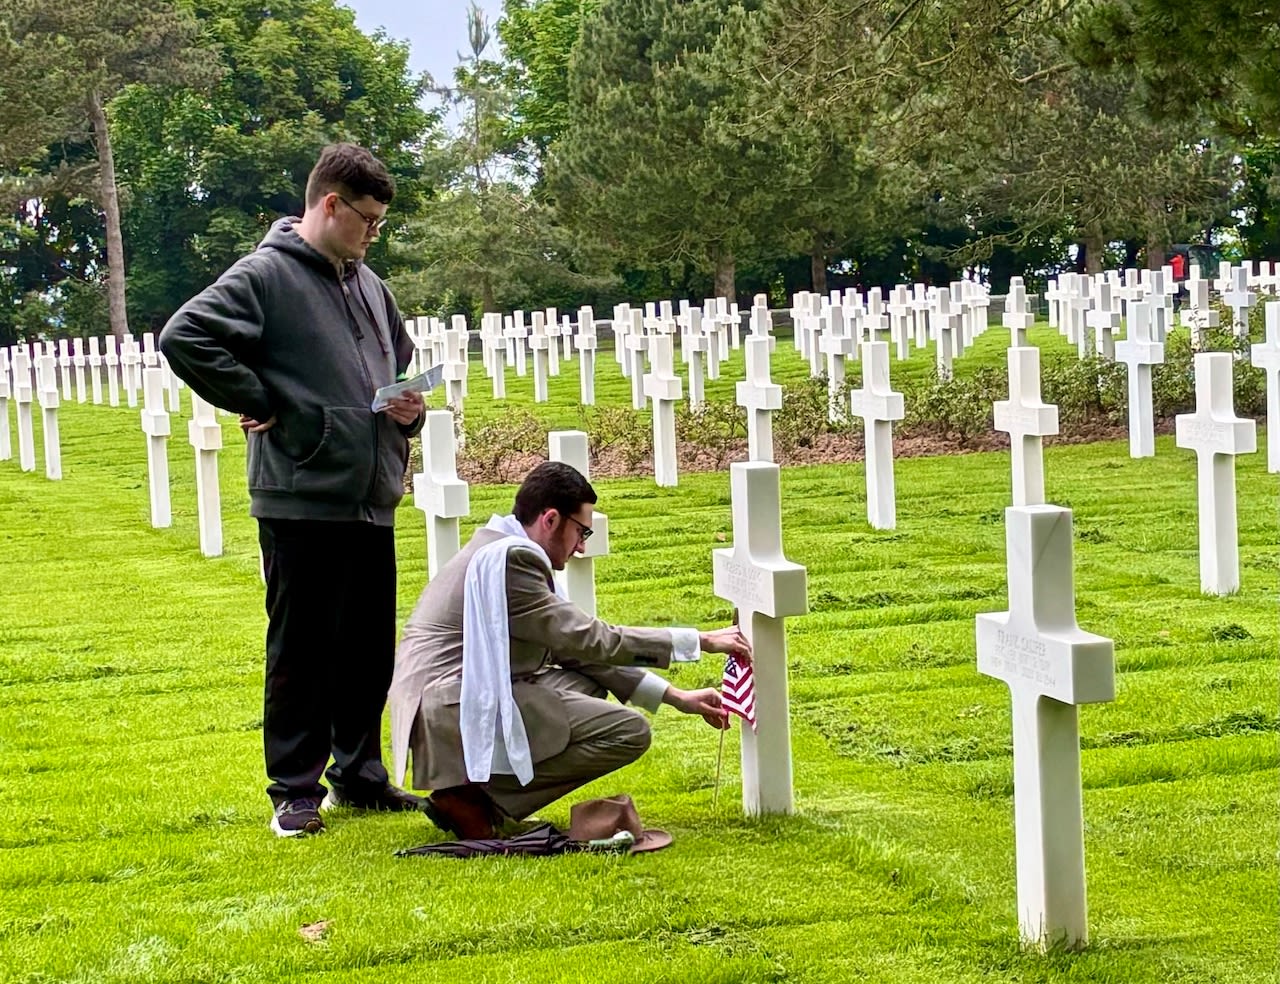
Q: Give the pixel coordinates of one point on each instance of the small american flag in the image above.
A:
(738, 692)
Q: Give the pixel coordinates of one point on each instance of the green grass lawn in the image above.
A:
(133, 827)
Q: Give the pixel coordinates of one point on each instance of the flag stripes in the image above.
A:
(738, 691)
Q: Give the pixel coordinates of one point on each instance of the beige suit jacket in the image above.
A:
(545, 631)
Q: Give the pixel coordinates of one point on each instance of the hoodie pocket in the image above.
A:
(270, 469)
(341, 466)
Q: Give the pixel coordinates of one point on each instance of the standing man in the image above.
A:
(296, 337)
(501, 684)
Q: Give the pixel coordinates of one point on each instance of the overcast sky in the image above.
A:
(435, 29)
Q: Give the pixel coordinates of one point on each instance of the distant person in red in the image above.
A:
(1179, 264)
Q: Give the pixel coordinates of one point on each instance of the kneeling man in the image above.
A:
(500, 683)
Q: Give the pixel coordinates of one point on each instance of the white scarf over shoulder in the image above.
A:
(493, 735)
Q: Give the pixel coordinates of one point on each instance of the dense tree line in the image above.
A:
(598, 149)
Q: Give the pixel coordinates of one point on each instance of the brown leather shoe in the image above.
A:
(464, 811)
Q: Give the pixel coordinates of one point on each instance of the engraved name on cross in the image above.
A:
(1051, 665)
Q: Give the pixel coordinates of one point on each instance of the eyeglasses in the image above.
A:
(372, 222)
(584, 531)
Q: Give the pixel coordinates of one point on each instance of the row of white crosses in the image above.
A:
(204, 432)
(836, 327)
(1078, 302)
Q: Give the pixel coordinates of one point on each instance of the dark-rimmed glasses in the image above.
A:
(372, 222)
(584, 531)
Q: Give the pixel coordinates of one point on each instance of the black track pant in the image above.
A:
(331, 607)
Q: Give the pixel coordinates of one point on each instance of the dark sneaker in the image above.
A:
(385, 798)
(297, 817)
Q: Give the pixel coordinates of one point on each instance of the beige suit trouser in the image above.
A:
(603, 736)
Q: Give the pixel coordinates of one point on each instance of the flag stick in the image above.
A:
(715, 797)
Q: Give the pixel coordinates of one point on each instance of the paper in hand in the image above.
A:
(424, 382)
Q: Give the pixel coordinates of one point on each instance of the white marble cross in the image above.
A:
(733, 318)
(1222, 283)
(920, 309)
(878, 406)
(155, 424)
(95, 365)
(811, 326)
(438, 491)
(1017, 313)
(1053, 295)
(725, 320)
(552, 330)
(711, 330)
(64, 366)
(877, 319)
(150, 356)
(799, 309)
(1051, 665)
(619, 326)
(566, 338)
(47, 393)
(695, 346)
(637, 343)
(541, 344)
(579, 573)
(22, 395)
(663, 387)
(131, 368)
(455, 361)
(1140, 352)
(586, 342)
(1161, 304)
(204, 434)
(78, 363)
(947, 325)
(518, 333)
(457, 349)
(1198, 315)
(1105, 322)
(492, 347)
(112, 361)
(765, 588)
(1078, 305)
(899, 308)
(1216, 434)
(761, 397)
(171, 384)
(1240, 299)
(964, 314)
(837, 346)
(1266, 356)
(1027, 421)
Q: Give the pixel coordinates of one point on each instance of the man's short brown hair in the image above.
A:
(351, 171)
(552, 485)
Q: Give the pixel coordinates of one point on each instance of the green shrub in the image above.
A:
(804, 416)
(620, 428)
(717, 426)
(960, 407)
(1085, 390)
(499, 448)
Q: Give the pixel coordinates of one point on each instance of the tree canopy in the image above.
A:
(625, 148)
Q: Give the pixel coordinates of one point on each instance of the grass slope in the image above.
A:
(133, 838)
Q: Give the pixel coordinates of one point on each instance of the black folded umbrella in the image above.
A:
(539, 842)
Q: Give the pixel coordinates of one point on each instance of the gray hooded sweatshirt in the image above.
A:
(282, 333)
